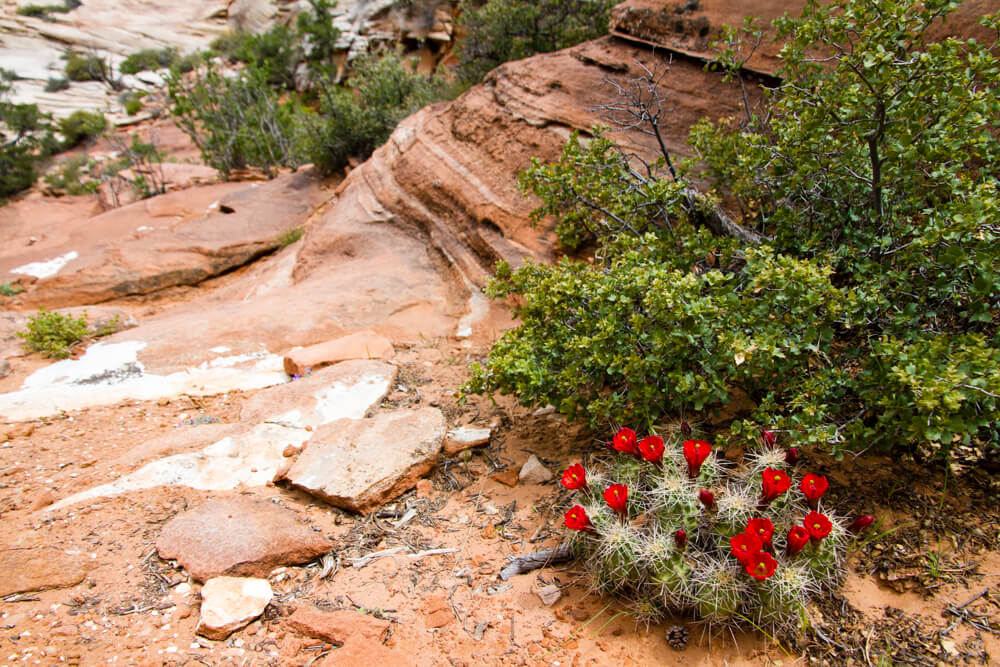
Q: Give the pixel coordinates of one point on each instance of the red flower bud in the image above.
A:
(792, 456)
(768, 438)
(817, 525)
(762, 528)
(775, 482)
(695, 453)
(575, 477)
(685, 428)
(861, 524)
(813, 487)
(651, 449)
(576, 519)
(680, 538)
(624, 442)
(745, 545)
(616, 496)
(796, 540)
(761, 565)
(707, 499)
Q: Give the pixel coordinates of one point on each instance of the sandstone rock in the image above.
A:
(337, 627)
(549, 595)
(534, 472)
(240, 537)
(361, 345)
(230, 603)
(425, 488)
(366, 653)
(358, 464)
(506, 477)
(38, 569)
(465, 437)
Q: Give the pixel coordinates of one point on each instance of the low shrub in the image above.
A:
(71, 177)
(291, 236)
(56, 84)
(665, 526)
(148, 60)
(54, 334)
(80, 126)
(87, 68)
(133, 105)
(25, 137)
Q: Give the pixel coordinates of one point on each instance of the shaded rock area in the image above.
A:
(238, 537)
(362, 463)
(231, 603)
(39, 569)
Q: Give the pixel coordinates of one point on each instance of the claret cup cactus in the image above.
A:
(670, 529)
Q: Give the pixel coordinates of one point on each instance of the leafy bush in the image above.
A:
(70, 177)
(149, 59)
(237, 122)
(86, 68)
(56, 84)
(25, 137)
(54, 334)
(498, 31)
(868, 317)
(665, 527)
(43, 11)
(350, 124)
(10, 289)
(133, 105)
(275, 53)
(81, 125)
(291, 236)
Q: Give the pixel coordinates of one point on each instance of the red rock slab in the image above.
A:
(360, 345)
(366, 653)
(238, 537)
(38, 569)
(337, 627)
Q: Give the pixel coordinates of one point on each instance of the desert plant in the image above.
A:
(665, 526)
(56, 84)
(10, 289)
(69, 178)
(291, 236)
(138, 168)
(133, 105)
(25, 137)
(80, 126)
(86, 68)
(149, 59)
(54, 334)
(275, 53)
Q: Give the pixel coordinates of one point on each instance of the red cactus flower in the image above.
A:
(575, 477)
(792, 456)
(861, 524)
(762, 528)
(775, 483)
(616, 496)
(813, 487)
(817, 525)
(624, 442)
(745, 545)
(707, 499)
(680, 538)
(576, 519)
(768, 438)
(761, 565)
(651, 448)
(796, 540)
(695, 453)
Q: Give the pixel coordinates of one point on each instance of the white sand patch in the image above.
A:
(109, 373)
(47, 268)
(478, 307)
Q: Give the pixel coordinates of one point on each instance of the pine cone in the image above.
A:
(677, 637)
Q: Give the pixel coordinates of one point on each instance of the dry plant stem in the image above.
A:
(536, 560)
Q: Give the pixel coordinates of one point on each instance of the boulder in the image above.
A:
(238, 537)
(534, 472)
(230, 603)
(359, 464)
(38, 569)
(337, 627)
(360, 345)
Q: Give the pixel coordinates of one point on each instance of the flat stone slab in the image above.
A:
(466, 437)
(337, 627)
(230, 603)
(359, 464)
(238, 537)
(38, 569)
(360, 345)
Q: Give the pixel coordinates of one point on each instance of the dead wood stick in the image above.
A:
(534, 561)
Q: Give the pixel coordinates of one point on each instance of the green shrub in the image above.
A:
(276, 53)
(10, 289)
(867, 319)
(34, 11)
(56, 84)
(81, 125)
(133, 105)
(149, 59)
(25, 137)
(69, 178)
(350, 124)
(503, 30)
(291, 236)
(237, 122)
(87, 68)
(54, 334)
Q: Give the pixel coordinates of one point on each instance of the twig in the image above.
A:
(534, 561)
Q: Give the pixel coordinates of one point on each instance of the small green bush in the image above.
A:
(25, 137)
(86, 68)
(80, 126)
(34, 11)
(70, 177)
(10, 289)
(54, 334)
(56, 84)
(291, 236)
(149, 59)
(133, 106)
(275, 53)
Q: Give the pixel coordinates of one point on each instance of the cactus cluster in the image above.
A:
(670, 529)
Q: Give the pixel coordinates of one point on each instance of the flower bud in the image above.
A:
(685, 428)
(861, 524)
(707, 499)
(768, 438)
(792, 456)
(680, 538)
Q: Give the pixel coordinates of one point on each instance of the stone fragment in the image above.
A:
(425, 488)
(360, 345)
(38, 569)
(534, 472)
(437, 612)
(366, 653)
(359, 464)
(230, 603)
(507, 477)
(240, 537)
(549, 595)
(465, 437)
(337, 627)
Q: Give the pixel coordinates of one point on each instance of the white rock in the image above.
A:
(230, 603)
(465, 437)
(534, 472)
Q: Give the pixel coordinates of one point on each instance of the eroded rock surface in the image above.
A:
(230, 603)
(38, 569)
(238, 537)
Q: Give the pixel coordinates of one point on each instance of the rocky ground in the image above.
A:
(266, 463)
